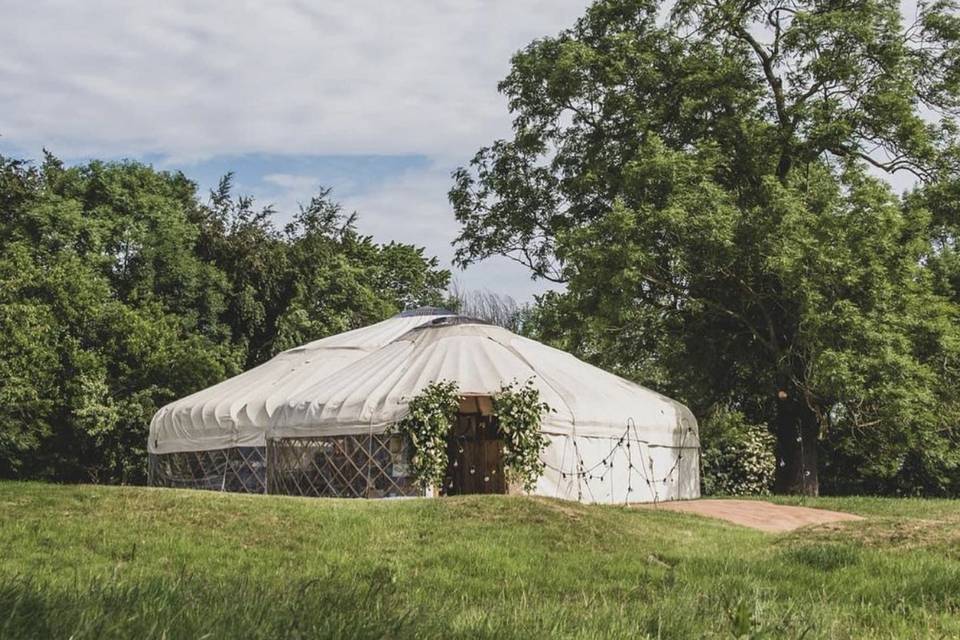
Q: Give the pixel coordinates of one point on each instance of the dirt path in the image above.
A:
(756, 514)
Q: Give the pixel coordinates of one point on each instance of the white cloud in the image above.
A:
(291, 182)
(186, 79)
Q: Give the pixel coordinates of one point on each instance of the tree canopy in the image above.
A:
(121, 289)
(709, 188)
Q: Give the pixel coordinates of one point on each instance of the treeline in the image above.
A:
(122, 288)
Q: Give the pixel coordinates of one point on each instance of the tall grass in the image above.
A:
(90, 562)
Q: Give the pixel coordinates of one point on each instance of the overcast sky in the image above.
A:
(379, 100)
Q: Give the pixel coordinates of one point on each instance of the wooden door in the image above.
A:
(475, 454)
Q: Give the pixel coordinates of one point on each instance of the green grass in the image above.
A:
(104, 562)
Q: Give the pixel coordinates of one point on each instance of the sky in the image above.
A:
(379, 100)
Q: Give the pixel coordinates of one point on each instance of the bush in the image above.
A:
(738, 457)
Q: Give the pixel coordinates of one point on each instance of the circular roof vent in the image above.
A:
(449, 321)
(424, 311)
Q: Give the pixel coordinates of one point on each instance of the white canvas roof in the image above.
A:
(371, 393)
(237, 411)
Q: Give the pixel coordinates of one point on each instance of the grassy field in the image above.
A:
(103, 562)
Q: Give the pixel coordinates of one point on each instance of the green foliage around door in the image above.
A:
(431, 414)
(519, 412)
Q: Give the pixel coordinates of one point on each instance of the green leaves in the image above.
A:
(121, 291)
(315, 278)
(433, 411)
(737, 457)
(431, 414)
(519, 412)
(703, 187)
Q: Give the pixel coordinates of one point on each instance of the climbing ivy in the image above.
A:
(520, 411)
(432, 411)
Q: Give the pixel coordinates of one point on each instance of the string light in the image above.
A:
(607, 461)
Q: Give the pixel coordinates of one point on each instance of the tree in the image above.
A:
(120, 290)
(489, 306)
(106, 311)
(242, 242)
(315, 277)
(704, 182)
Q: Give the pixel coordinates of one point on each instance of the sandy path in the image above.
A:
(756, 514)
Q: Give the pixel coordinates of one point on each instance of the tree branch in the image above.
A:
(716, 306)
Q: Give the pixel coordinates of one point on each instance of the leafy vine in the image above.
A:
(520, 411)
(427, 425)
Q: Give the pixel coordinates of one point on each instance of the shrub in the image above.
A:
(738, 457)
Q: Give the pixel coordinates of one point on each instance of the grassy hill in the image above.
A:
(105, 562)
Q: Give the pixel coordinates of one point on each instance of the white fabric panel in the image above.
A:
(642, 473)
(371, 394)
(237, 411)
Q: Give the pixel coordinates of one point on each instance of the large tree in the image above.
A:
(314, 277)
(107, 312)
(704, 184)
(121, 289)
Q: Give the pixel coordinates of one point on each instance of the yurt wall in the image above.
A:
(238, 469)
(341, 466)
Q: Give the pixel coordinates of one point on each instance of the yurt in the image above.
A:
(319, 420)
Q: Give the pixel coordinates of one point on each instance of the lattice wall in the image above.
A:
(239, 469)
(358, 466)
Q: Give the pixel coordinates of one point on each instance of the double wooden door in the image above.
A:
(475, 454)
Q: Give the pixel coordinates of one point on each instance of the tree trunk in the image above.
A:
(797, 439)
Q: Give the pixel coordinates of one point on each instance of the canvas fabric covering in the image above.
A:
(237, 411)
(371, 394)
(610, 440)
